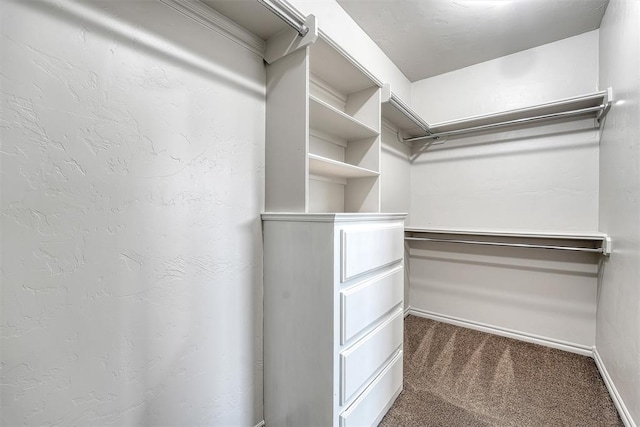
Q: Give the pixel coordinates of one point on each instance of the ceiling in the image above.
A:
(425, 38)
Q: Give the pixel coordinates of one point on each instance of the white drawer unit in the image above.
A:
(332, 341)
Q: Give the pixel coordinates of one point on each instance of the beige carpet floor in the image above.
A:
(461, 377)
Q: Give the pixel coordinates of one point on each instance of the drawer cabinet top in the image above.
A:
(332, 217)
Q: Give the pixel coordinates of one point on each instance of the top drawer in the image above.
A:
(364, 249)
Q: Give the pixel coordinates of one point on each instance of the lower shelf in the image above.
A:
(328, 167)
(595, 242)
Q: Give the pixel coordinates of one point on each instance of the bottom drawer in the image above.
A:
(376, 400)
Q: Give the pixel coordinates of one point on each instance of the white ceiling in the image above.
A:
(430, 37)
(425, 38)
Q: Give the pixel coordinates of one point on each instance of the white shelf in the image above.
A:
(330, 63)
(585, 235)
(396, 112)
(564, 240)
(590, 105)
(327, 167)
(329, 119)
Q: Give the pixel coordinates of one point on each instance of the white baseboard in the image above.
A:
(261, 424)
(624, 413)
(509, 333)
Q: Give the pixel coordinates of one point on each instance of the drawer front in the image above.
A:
(361, 305)
(376, 400)
(364, 249)
(361, 361)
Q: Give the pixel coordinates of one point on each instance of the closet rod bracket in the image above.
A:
(606, 246)
(290, 39)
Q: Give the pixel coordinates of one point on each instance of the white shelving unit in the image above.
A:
(333, 264)
(323, 133)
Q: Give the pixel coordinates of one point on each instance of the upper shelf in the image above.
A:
(591, 105)
(407, 121)
(595, 105)
(330, 64)
(329, 119)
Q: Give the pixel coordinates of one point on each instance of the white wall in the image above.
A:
(618, 326)
(395, 183)
(544, 177)
(546, 73)
(132, 182)
(395, 178)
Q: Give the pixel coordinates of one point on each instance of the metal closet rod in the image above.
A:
(509, 123)
(286, 15)
(517, 245)
(397, 103)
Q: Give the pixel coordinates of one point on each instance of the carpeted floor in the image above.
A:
(460, 377)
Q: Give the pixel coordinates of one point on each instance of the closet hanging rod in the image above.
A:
(284, 13)
(397, 103)
(562, 114)
(517, 245)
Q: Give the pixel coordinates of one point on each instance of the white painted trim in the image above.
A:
(332, 217)
(504, 332)
(326, 137)
(260, 424)
(320, 86)
(218, 23)
(389, 125)
(624, 413)
(331, 179)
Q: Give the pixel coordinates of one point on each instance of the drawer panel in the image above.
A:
(376, 400)
(361, 305)
(364, 249)
(361, 361)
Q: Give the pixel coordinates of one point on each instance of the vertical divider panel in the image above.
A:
(364, 106)
(362, 195)
(287, 134)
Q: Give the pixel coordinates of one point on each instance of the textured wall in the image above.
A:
(132, 177)
(395, 184)
(543, 177)
(618, 326)
(546, 73)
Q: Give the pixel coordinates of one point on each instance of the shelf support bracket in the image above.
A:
(606, 246)
(290, 40)
(608, 99)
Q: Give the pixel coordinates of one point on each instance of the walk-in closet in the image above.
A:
(320, 213)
